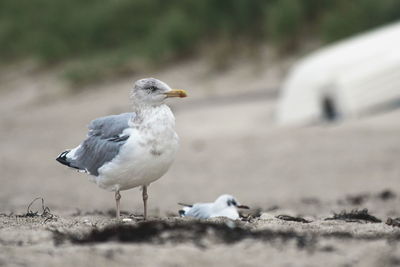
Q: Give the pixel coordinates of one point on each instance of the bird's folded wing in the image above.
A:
(201, 211)
(103, 143)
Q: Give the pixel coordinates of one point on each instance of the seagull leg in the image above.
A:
(145, 197)
(117, 198)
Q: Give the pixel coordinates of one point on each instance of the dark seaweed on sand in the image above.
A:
(250, 215)
(359, 199)
(160, 232)
(355, 216)
(292, 218)
(393, 222)
(386, 195)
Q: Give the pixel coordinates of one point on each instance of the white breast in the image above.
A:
(147, 154)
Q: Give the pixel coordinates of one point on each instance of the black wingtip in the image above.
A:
(62, 158)
(181, 213)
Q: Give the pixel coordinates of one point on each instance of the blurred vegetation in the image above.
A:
(104, 37)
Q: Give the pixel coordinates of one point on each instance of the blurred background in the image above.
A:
(64, 63)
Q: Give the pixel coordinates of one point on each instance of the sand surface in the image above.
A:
(229, 144)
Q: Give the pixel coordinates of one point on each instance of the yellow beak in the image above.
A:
(176, 93)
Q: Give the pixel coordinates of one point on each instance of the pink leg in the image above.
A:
(145, 197)
(117, 199)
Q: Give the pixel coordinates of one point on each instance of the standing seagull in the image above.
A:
(131, 149)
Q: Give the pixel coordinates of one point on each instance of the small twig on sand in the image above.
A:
(45, 211)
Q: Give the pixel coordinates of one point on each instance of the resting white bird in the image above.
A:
(131, 149)
(223, 206)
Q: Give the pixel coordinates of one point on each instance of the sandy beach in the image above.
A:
(230, 143)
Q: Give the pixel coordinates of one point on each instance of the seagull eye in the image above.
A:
(231, 202)
(152, 88)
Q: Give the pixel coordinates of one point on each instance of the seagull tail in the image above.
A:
(183, 211)
(62, 158)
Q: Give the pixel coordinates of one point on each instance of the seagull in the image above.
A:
(133, 149)
(223, 206)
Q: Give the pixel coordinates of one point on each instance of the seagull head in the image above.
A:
(228, 202)
(153, 92)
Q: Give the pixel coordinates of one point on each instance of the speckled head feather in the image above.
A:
(149, 91)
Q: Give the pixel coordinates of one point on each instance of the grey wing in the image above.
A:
(104, 140)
